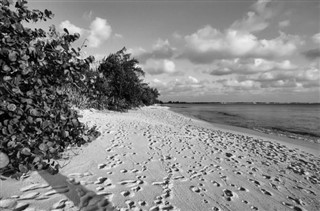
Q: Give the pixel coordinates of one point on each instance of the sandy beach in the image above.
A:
(154, 159)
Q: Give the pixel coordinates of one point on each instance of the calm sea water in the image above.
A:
(295, 121)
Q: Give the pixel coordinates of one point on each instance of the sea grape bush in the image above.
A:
(42, 77)
(119, 81)
(36, 120)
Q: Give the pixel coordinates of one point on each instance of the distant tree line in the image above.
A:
(42, 77)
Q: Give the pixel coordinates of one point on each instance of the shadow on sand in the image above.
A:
(81, 197)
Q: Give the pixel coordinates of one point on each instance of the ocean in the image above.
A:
(297, 121)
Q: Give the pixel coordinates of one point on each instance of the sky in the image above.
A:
(218, 50)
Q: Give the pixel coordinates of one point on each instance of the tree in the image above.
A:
(35, 119)
(122, 80)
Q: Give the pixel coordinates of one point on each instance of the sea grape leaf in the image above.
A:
(4, 160)
(43, 147)
(13, 56)
(26, 151)
(66, 30)
(23, 168)
(34, 112)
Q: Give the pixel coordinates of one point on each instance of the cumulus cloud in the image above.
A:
(209, 44)
(312, 54)
(71, 27)
(248, 66)
(118, 36)
(241, 85)
(100, 31)
(193, 80)
(160, 50)
(316, 38)
(285, 23)
(156, 67)
(87, 15)
(256, 20)
(305, 77)
(187, 85)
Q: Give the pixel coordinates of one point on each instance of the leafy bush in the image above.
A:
(120, 81)
(42, 77)
(35, 119)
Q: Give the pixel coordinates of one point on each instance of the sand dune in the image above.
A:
(154, 159)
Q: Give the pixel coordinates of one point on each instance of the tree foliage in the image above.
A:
(42, 76)
(35, 119)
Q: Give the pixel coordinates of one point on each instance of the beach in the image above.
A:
(154, 159)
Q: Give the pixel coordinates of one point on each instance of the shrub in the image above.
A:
(35, 119)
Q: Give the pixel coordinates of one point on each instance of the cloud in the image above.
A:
(193, 80)
(118, 36)
(189, 86)
(301, 78)
(285, 23)
(156, 67)
(209, 44)
(100, 31)
(241, 85)
(256, 20)
(71, 27)
(316, 38)
(312, 53)
(176, 35)
(248, 66)
(87, 15)
(160, 50)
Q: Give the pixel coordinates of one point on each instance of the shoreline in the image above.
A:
(155, 159)
(309, 146)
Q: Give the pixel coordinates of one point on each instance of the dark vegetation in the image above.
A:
(42, 77)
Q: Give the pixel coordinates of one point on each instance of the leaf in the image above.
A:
(23, 168)
(64, 134)
(30, 119)
(75, 122)
(34, 112)
(6, 68)
(4, 160)
(26, 151)
(7, 78)
(13, 56)
(36, 160)
(52, 150)
(43, 147)
(66, 30)
(86, 138)
(11, 107)
(26, 100)
(77, 35)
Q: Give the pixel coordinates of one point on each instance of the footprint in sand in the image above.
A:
(228, 194)
(264, 191)
(100, 180)
(296, 200)
(243, 189)
(255, 182)
(195, 189)
(136, 189)
(91, 201)
(215, 183)
(254, 208)
(127, 193)
(295, 208)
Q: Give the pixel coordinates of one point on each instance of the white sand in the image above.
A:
(154, 159)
